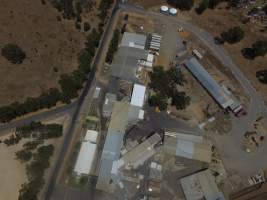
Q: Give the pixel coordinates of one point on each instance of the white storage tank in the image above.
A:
(173, 11)
(164, 9)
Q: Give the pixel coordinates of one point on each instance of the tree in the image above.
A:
(158, 101)
(214, 3)
(175, 76)
(260, 47)
(31, 145)
(13, 53)
(113, 47)
(262, 76)
(24, 155)
(265, 9)
(202, 7)
(85, 59)
(103, 8)
(233, 35)
(180, 100)
(86, 26)
(182, 4)
(68, 87)
(248, 53)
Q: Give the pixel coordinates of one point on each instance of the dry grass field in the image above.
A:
(216, 21)
(13, 173)
(47, 42)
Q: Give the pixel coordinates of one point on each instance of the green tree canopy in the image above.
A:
(233, 35)
(13, 53)
(182, 4)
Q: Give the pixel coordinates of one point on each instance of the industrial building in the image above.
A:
(187, 146)
(113, 144)
(138, 95)
(86, 155)
(110, 99)
(201, 186)
(126, 63)
(138, 155)
(222, 97)
(133, 40)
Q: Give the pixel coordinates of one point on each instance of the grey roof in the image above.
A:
(130, 39)
(201, 185)
(133, 114)
(125, 63)
(208, 82)
(110, 99)
(141, 152)
(111, 152)
(113, 143)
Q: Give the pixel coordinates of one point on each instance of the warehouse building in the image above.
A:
(221, 94)
(138, 95)
(201, 186)
(187, 146)
(86, 155)
(142, 152)
(126, 63)
(113, 144)
(133, 40)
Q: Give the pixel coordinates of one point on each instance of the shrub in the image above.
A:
(113, 47)
(24, 155)
(259, 48)
(86, 26)
(182, 4)
(262, 76)
(233, 35)
(13, 53)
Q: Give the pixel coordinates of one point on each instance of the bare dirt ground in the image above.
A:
(221, 19)
(12, 172)
(48, 44)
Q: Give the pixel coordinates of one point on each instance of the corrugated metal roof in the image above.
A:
(208, 82)
(142, 152)
(91, 135)
(113, 143)
(133, 40)
(138, 95)
(85, 158)
(201, 185)
(125, 62)
(188, 146)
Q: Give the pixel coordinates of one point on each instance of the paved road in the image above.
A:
(103, 45)
(234, 156)
(66, 109)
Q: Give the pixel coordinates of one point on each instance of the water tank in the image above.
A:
(173, 11)
(164, 9)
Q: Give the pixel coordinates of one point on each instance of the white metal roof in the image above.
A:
(150, 58)
(173, 11)
(91, 136)
(138, 95)
(164, 8)
(85, 158)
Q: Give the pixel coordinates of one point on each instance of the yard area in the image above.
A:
(221, 19)
(50, 42)
(13, 172)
